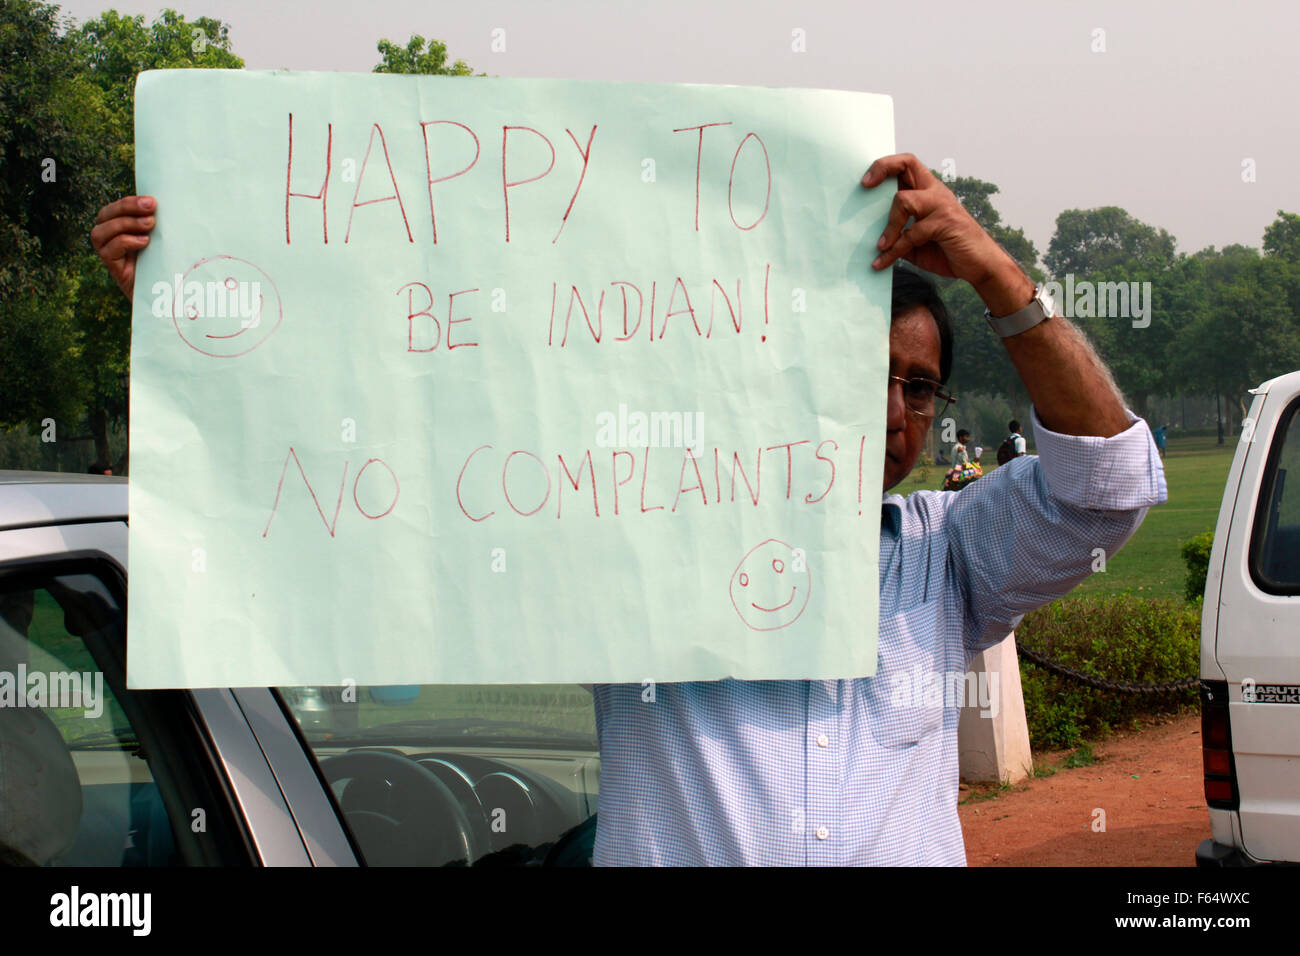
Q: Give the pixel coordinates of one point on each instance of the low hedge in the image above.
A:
(1120, 638)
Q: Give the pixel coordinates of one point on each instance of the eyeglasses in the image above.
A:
(920, 395)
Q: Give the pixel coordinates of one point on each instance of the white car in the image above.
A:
(1250, 643)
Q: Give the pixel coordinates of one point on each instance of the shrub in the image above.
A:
(923, 466)
(1196, 555)
(1123, 638)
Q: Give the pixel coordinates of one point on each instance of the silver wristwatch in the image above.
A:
(1040, 308)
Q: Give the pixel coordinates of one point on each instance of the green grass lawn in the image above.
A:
(1196, 470)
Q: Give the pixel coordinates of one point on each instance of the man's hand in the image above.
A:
(122, 231)
(1071, 388)
(945, 239)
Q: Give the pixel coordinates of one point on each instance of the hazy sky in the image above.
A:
(1013, 92)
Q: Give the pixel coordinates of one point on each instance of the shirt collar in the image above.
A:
(891, 513)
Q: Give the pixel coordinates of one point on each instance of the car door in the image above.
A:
(91, 773)
(1257, 643)
(95, 774)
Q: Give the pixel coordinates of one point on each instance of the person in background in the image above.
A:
(964, 470)
(959, 453)
(1018, 439)
(1013, 446)
(1160, 435)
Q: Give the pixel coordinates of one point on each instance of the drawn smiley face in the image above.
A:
(226, 307)
(768, 589)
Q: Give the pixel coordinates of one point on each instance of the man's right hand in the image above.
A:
(122, 230)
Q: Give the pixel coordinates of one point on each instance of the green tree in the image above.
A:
(42, 358)
(1199, 357)
(1247, 329)
(1282, 238)
(414, 58)
(1108, 245)
(1139, 348)
(53, 127)
(1257, 324)
(1087, 241)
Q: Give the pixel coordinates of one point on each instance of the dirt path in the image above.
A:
(1148, 783)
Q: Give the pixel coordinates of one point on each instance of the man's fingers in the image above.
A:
(907, 204)
(118, 255)
(898, 216)
(128, 206)
(105, 232)
(116, 250)
(911, 172)
(914, 199)
(122, 230)
(918, 235)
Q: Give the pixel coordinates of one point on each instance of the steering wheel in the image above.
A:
(574, 847)
(405, 815)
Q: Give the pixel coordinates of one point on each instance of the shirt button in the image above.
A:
(823, 833)
(823, 740)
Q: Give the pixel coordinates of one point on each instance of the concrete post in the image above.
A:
(993, 741)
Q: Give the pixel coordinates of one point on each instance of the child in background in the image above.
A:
(959, 455)
(964, 470)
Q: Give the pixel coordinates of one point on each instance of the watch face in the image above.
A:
(1045, 299)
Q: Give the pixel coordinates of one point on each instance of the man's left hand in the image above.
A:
(944, 239)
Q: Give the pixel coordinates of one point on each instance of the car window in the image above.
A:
(76, 787)
(437, 774)
(1275, 554)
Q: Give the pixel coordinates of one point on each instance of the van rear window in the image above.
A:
(1275, 545)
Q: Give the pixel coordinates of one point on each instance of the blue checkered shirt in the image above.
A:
(842, 771)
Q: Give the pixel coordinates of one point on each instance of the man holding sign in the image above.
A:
(864, 771)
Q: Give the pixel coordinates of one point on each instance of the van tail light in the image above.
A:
(1216, 747)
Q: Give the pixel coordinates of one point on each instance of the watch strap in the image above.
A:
(1039, 309)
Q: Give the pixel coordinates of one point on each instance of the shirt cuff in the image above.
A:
(1120, 473)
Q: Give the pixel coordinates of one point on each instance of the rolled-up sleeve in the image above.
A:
(1031, 530)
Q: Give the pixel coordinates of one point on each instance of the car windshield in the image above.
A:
(440, 774)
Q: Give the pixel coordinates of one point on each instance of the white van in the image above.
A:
(1250, 643)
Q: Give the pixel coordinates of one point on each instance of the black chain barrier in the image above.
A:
(1101, 683)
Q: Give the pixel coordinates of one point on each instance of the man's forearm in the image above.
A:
(1071, 388)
